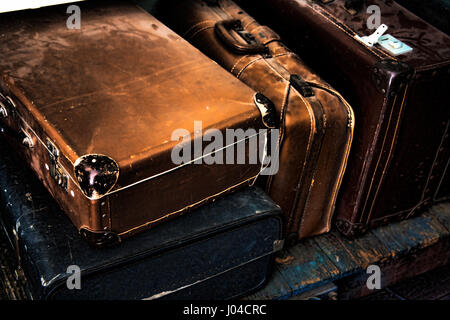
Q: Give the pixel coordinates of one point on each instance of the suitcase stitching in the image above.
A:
(309, 108)
(238, 61)
(344, 163)
(349, 141)
(282, 130)
(149, 223)
(200, 30)
(186, 34)
(390, 153)
(379, 156)
(435, 159)
(352, 37)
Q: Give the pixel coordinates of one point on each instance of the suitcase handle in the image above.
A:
(223, 31)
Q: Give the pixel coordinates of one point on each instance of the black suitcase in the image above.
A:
(220, 251)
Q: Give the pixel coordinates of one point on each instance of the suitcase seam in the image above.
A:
(150, 223)
(388, 160)
(346, 32)
(310, 139)
(191, 29)
(380, 155)
(344, 162)
(434, 162)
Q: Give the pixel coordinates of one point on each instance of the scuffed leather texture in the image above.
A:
(118, 87)
(227, 247)
(401, 138)
(316, 125)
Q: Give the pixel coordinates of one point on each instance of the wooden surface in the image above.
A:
(401, 250)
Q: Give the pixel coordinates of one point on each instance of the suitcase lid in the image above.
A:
(49, 243)
(430, 46)
(118, 87)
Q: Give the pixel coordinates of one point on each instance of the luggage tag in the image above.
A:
(387, 42)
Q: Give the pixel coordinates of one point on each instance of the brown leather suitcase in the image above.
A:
(316, 122)
(94, 110)
(400, 99)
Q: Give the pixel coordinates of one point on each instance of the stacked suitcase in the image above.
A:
(397, 84)
(121, 122)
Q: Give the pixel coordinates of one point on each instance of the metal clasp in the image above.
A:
(56, 170)
(373, 38)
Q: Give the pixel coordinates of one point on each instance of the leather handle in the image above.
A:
(223, 31)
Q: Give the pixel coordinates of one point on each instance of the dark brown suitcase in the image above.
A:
(401, 102)
(94, 110)
(317, 123)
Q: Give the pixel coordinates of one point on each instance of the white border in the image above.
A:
(8, 5)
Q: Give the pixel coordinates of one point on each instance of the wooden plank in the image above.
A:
(399, 268)
(351, 256)
(310, 268)
(275, 288)
(372, 249)
(410, 235)
(332, 244)
(402, 249)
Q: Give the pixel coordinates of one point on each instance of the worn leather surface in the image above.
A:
(211, 242)
(401, 139)
(316, 131)
(435, 12)
(119, 87)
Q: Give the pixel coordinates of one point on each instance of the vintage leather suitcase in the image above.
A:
(222, 250)
(94, 112)
(316, 122)
(401, 147)
(435, 12)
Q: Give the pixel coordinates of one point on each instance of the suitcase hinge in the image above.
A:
(56, 170)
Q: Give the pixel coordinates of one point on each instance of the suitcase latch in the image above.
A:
(56, 170)
(373, 38)
(386, 41)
